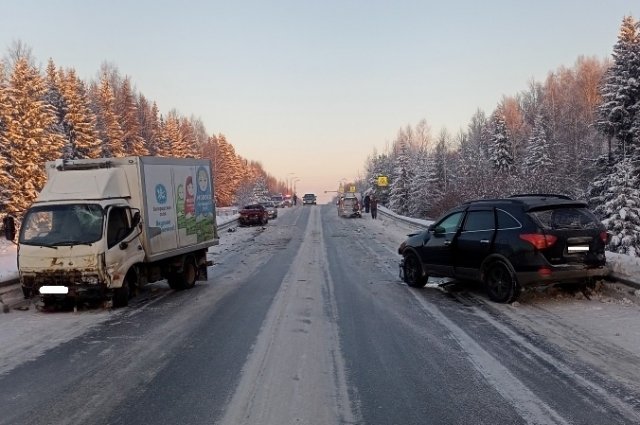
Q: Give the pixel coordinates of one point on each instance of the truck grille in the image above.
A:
(74, 277)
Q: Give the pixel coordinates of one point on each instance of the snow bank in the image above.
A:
(8, 260)
(624, 266)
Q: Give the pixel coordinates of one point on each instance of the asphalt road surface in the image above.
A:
(305, 321)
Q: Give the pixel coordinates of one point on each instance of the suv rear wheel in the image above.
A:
(413, 275)
(501, 283)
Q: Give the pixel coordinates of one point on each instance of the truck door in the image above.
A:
(122, 250)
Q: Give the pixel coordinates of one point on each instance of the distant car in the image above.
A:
(349, 206)
(271, 207)
(309, 199)
(253, 214)
(508, 244)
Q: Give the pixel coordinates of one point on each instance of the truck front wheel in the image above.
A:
(121, 295)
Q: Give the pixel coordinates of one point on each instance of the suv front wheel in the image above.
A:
(501, 283)
(413, 275)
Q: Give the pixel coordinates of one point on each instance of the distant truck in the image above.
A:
(101, 228)
(309, 199)
(278, 199)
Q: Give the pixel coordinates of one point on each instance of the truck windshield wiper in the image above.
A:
(31, 243)
(70, 243)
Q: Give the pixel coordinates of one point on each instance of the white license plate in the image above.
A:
(578, 248)
(48, 290)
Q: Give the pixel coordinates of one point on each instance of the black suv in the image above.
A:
(509, 243)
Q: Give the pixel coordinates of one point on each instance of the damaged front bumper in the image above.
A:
(76, 285)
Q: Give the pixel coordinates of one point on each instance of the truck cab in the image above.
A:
(77, 249)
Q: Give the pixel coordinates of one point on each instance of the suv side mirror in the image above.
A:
(9, 227)
(439, 230)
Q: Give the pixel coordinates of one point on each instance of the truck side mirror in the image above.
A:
(9, 227)
(136, 219)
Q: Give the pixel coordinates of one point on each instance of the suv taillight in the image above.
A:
(604, 236)
(538, 240)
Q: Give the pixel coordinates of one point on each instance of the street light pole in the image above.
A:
(289, 178)
(294, 185)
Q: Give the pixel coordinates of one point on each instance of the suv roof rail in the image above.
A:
(541, 195)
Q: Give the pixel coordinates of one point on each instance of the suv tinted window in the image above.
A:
(507, 221)
(451, 222)
(566, 218)
(479, 220)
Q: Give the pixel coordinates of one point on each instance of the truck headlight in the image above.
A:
(91, 280)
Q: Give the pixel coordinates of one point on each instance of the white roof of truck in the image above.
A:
(101, 183)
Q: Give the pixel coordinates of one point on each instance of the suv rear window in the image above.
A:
(565, 218)
(506, 221)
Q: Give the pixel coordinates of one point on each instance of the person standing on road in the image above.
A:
(367, 203)
(373, 205)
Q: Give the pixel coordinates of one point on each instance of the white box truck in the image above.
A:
(101, 228)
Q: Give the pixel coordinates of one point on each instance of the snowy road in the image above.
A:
(306, 322)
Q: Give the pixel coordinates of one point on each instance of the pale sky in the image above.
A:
(311, 88)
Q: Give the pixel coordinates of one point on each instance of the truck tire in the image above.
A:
(121, 295)
(185, 279)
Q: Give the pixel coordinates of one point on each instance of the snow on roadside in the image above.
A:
(625, 266)
(8, 260)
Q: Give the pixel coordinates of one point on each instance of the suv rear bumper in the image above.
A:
(568, 274)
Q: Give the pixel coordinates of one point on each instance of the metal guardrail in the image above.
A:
(9, 282)
(406, 220)
(228, 225)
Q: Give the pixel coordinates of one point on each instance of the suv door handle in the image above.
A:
(447, 243)
(484, 240)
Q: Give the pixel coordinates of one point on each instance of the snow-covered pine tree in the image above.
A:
(615, 193)
(474, 174)
(500, 145)
(438, 177)
(621, 208)
(400, 181)
(419, 190)
(79, 121)
(5, 177)
(127, 112)
(53, 96)
(538, 162)
(164, 142)
(30, 133)
(171, 136)
(187, 142)
(145, 118)
(621, 90)
(109, 129)
(227, 173)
